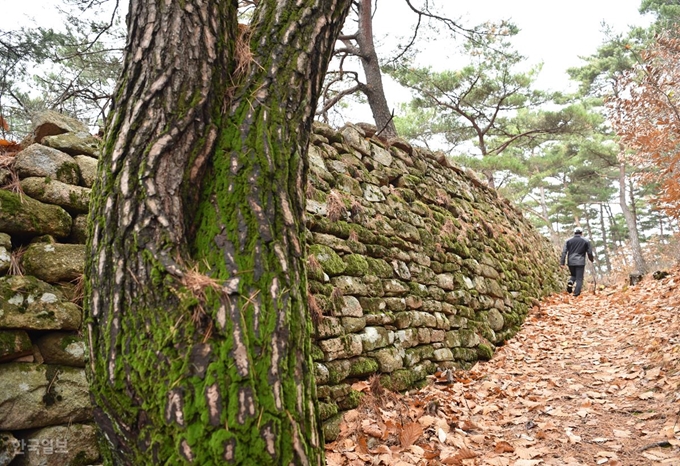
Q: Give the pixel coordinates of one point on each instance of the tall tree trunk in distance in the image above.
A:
(597, 265)
(374, 90)
(616, 241)
(636, 250)
(554, 236)
(196, 299)
(605, 243)
(633, 204)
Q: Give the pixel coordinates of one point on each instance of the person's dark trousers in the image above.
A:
(576, 272)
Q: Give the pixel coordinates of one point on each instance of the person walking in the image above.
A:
(574, 252)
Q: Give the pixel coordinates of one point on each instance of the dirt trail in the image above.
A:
(589, 380)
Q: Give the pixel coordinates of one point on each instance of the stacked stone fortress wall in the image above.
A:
(413, 265)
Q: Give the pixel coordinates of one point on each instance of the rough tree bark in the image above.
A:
(374, 90)
(197, 321)
(636, 250)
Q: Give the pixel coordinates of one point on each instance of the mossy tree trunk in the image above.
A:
(197, 322)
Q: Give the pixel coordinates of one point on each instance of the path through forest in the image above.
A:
(589, 380)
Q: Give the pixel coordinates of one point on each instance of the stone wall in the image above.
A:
(413, 265)
(45, 412)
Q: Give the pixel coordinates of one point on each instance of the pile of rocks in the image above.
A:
(45, 412)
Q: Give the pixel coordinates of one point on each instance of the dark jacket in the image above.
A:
(575, 251)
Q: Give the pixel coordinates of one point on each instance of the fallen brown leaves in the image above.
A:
(588, 381)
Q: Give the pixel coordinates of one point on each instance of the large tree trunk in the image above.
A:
(374, 90)
(197, 322)
(636, 250)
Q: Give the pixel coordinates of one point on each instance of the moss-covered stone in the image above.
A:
(330, 261)
(41, 161)
(379, 268)
(418, 354)
(353, 286)
(331, 428)
(417, 267)
(328, 327)
(327, 410)
(317, 354)
(375, 337)
(62, 348)
(14, 344)
(351, 401)
(338, 370)
(341, 347)
(74, 199)
(322, 289)
(80, 441)
(389, 359)
(31, 304)
(356, 265)
(37, 395)
(353, 324)
(22, 215)
(362, 367)
(464, 354)
(372, 305)
(485, 351)
(54, 262)
(405, 379)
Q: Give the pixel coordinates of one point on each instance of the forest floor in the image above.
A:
(587, 381)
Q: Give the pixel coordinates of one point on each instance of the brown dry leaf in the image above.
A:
(368, 427)
(573, 438)
(558, 413)
(334, 459)
(430, 454)
(386, 459)
(490, 409)
(646, 395)
(460, 456)
(654, 373)
(583, 412)
(504, 447)
(621, 433)
(362, 444)
(427, 421)
(361, 386)
(479, 438)
(499, 461)
(527, 453)
(383, 449)
(467, 426)
(410, 434)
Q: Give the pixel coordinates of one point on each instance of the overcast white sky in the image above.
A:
(555, 33)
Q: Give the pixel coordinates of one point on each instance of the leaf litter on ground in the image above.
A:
(592, 380)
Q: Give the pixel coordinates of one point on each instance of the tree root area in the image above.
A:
(592, 380)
